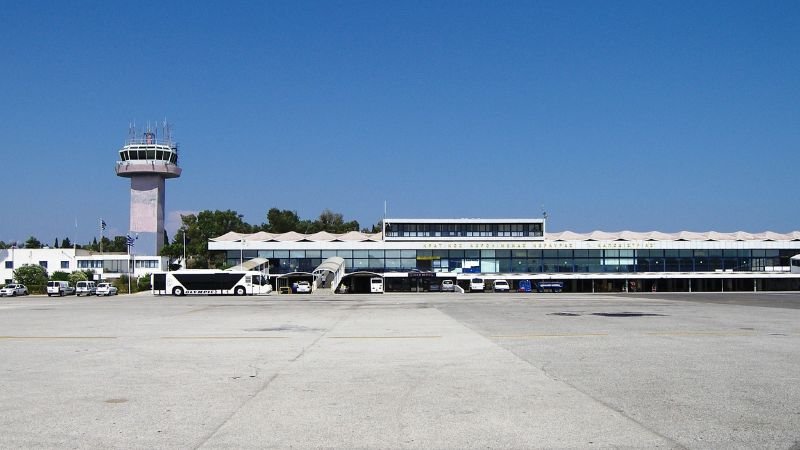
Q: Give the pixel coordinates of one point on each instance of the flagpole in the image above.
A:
(128, 241)
(101, 234)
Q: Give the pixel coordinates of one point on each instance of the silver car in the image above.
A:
(303, 287)
(106, 289)
(13, 290)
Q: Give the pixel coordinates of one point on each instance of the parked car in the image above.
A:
(448, 286)
(13, 290)
(501, 286)
(85, 288)
(106, 289)
(476, 285)
(59, 288)
(376, 285)
(303, 287)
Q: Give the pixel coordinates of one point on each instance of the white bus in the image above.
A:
(210, 282)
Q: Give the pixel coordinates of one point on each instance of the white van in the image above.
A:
(59, 288)
(376, 285)
(85, 288)
(476, 285)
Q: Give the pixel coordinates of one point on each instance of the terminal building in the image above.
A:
(414, 255)
(106, 266)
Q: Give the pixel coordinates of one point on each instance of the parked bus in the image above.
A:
(210, 282)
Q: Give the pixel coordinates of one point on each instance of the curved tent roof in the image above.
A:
(260, 236)
(229, 236)
(356, 236)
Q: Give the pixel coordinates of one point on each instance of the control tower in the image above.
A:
(148, 161)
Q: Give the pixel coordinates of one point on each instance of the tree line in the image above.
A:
(198, 228)
(117, 244)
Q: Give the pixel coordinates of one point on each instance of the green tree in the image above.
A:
(333, 222)
(121, 284)
(59, 276)
(31, 275)
(199, 229)
(377, 228)
(173, 251)
(143, 283)
(118, 245)
(55, 243)
(282, 221)
(66, 243)
(32, 242)
(76, 276)
(3, 245)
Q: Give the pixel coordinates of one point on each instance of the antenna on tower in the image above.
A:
(544, 213)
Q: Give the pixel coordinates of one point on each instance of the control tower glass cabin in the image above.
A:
(148, 161)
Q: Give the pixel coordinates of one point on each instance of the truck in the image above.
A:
(552, 286)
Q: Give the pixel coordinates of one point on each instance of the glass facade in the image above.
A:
(524, 261)
(463, 230)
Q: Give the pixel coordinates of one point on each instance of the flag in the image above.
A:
(102, 224)
(130, 239)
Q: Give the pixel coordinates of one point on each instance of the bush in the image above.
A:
(143, 283)
(31, 275)
(121, 284)
(59, 276)
(36, 289)
(76, 276)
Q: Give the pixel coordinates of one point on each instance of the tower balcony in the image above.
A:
(133, 168)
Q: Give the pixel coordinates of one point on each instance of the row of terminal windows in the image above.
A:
(149, 154)
(43, 264)
(116, 265)
(106, 265)
(464, 230)
(522, 253)
(526, 261)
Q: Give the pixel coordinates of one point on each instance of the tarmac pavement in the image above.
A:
(400, 371)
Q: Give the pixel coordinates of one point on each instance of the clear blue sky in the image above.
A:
(616, 115)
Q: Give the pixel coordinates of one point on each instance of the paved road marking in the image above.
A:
(222, 337)
(384, 337)
(544, 335)
(701, 333)
(58, 337)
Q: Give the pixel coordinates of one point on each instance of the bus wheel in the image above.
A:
(239, 290)
(177, 291)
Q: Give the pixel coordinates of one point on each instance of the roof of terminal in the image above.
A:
(355, 236)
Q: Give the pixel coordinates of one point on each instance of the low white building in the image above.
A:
(104, 265)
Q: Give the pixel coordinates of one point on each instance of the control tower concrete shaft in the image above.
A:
(148, 161)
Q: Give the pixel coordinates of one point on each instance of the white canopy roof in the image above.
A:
(356, 236)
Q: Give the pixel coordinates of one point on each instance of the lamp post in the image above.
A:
(184, 249)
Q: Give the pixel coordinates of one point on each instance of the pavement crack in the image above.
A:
(205, 439)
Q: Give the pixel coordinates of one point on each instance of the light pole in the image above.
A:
(184, 249)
